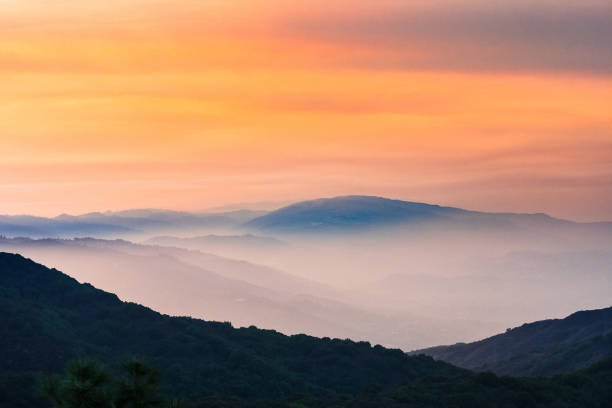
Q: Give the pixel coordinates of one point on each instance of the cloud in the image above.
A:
(472, 36)
(469, 35)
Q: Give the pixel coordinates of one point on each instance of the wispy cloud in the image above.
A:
(470, 36)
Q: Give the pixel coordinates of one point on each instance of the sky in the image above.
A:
(190, 104)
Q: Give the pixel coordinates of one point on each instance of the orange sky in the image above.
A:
(191, 104)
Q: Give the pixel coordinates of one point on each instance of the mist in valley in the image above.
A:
(399, 275)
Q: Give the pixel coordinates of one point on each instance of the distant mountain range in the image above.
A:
(367, 212)
(540, 348)
(121, 223)
(444, 276)
(348, 212)
(326, 215)
(221, 243)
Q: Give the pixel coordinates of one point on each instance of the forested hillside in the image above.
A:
(541, 348)
(49, 319)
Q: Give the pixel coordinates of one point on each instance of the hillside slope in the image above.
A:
(591, 387)
(540, 348)
(48, 318)
(182, 282)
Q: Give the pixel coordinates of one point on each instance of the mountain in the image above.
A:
(540, 348)
(354, 213)
(48, 318)
(183, 282)
(347, 212)
(338, 214)
(154, 220)
(26, 225)
(234, 246)
(122, 223)
(180, 282)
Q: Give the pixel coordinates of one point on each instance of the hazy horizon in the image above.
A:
(267, 206)
(402, 274)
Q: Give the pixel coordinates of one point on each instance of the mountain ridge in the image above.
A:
(543, 347)
(322, 214)
(363, 212)
(120, 223)
(50, 318)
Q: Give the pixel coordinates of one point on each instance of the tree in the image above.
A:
(139, 387)
(86, 385)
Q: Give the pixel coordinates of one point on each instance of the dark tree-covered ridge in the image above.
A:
(48, 319)
(545, 347)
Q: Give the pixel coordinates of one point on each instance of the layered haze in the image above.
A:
(410, 173)
(399, 273)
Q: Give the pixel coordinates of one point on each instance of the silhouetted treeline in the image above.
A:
(87, 384)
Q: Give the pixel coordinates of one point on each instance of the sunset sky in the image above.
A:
(191, 104)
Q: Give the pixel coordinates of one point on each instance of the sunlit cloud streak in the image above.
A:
(471, 36)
